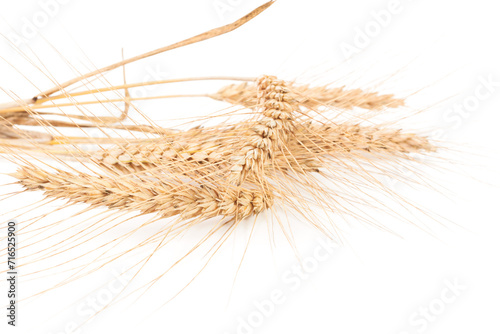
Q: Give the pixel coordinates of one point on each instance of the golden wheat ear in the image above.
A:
(311, 97)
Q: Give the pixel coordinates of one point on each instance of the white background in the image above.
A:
(376, 282)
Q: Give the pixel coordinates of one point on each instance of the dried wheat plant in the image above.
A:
(283, 146)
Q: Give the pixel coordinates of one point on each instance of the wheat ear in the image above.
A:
(275, 109)
(245, 94)
(164, 198)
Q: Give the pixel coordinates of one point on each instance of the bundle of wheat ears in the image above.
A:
(297, 147)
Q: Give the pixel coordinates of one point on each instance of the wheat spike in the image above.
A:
(275, 109)
(215, 146)
(245, 94)
(164, 197)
